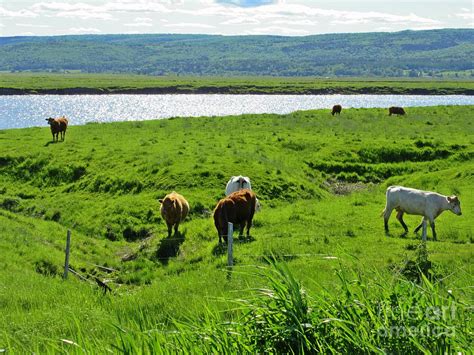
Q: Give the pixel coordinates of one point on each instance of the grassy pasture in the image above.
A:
(122, 83)
(321, 181)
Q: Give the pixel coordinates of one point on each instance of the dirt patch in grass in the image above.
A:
(343, 188)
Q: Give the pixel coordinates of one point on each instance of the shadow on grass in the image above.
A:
(52, 142)
(169, 247)
(221, 248)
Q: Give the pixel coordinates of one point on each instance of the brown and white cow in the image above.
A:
(394, 110)
(336, 109)
(58, 125)
(174, 209)
(237, 208)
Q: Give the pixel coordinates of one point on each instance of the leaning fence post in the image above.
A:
(230, 242)
(66, 261)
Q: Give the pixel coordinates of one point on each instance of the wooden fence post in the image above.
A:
(66, 261)
(230, 242)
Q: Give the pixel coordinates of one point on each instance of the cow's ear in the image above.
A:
(450, 199)
(160, 200)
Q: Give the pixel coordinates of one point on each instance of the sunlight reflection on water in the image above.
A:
(19, 111)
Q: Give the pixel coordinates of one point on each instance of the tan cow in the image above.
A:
(174, 209)
(237, 208)
(58, 125)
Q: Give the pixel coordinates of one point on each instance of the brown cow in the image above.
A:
(237, 208)
(336, 109)
(396, 110)
(174, 209)
(58, 125)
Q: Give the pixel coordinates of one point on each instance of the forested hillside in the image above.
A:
(446, 52)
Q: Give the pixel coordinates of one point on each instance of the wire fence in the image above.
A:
(440, 231)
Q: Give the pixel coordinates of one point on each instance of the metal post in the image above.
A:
(230, 242)
(66, 261)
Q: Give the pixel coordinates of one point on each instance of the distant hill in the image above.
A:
(408, 53)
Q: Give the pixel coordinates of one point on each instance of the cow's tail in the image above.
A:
(386, 200)
(225, 220)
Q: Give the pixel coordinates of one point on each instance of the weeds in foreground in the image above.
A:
(391, 316)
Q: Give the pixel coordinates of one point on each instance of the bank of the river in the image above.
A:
(99, 84)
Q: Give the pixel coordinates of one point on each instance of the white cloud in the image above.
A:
(139, 24)
(189, 24)
(350, 22)
(76, 10)
(21, 13)
(295, 17)
(295, 22)
(241, 21)
(33, 25)
(143, 19)
(84, 30)
(466, 15)
(277, 30)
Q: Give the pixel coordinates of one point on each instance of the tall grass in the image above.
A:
(365, 316)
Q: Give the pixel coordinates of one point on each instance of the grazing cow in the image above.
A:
(174, 209)
(396, 111)
(58, 125)
(237, 208)
(237, 183)
(336, 109)
(417, 202)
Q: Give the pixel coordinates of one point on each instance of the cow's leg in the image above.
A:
(386, 215)
(423, 235)
(176, 228)
(419, 226)
(170, 225)
(242, 227)
(249, 224)
(400, 219)
(432, 224)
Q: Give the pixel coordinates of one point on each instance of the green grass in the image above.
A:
(103, 183)
(110, 83)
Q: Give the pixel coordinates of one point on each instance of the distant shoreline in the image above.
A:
(235, 91)
(106, 84)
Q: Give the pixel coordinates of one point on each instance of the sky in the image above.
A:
(230, 17)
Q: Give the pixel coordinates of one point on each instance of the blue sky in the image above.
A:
(229, 17)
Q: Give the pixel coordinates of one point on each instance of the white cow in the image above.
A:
(237, 183)
(417, 202)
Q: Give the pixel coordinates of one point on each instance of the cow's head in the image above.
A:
(244, 182)
(50, 120)
(454, 205)
(166, 205)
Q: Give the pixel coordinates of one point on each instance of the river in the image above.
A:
(19, 111)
